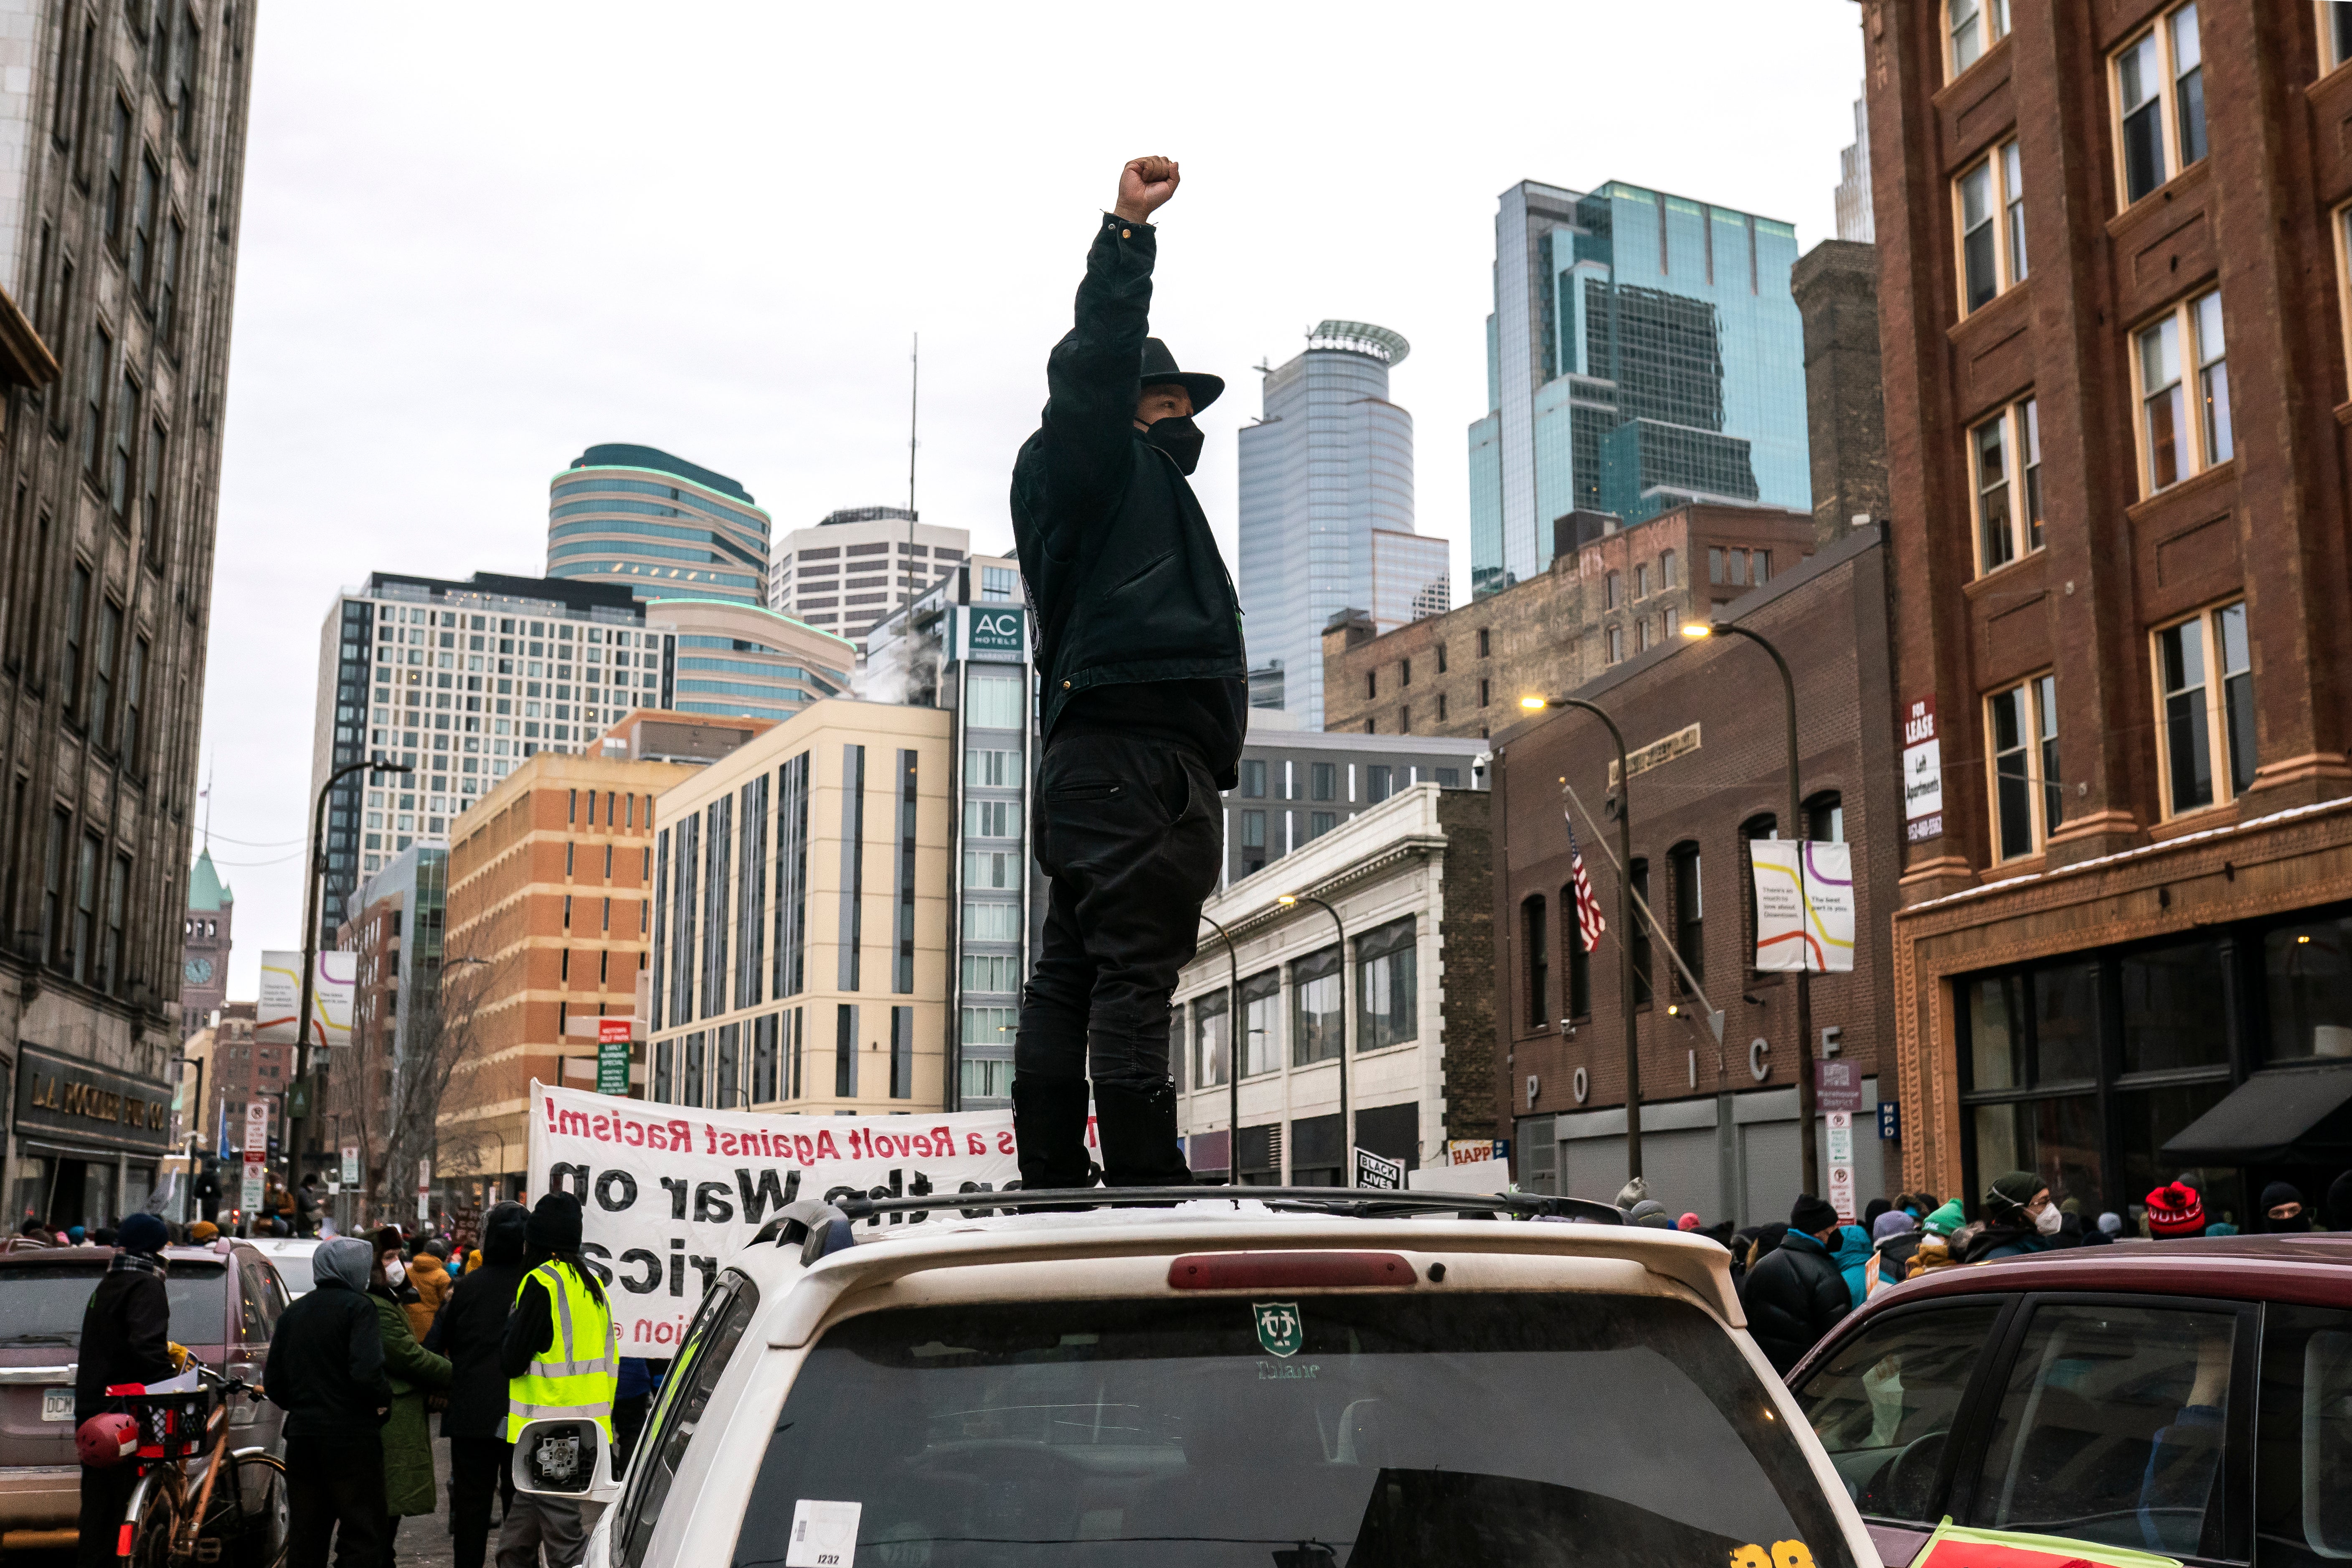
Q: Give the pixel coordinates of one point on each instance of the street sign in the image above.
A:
(424, 1189)
(257, 1128)
(1381, 1175)
(351, 1166)
(1837, 1086)
(249, 1195)
(613, 1056)
(1890, 1121)
(1840, 1183)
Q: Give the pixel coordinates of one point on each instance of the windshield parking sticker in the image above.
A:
(824, 1534)
(1279, 1329)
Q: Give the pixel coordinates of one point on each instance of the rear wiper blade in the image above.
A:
(39, 1339)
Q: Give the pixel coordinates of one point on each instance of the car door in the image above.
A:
(1892, 1402)
(2123, 1420)
(2303, 1446)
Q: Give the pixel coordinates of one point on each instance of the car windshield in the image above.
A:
(44, 1306)
(1370, 1430)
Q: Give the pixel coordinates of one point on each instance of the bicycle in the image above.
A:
(174, 1520)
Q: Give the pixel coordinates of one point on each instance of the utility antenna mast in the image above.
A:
(914, 410)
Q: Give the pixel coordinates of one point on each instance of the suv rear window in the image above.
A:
(44, 1306)
(1420, 1429)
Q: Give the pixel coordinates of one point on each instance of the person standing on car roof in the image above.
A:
(470, 1330)
(126, 1337)
(326, 1372)
(1146, 698)
(1796, 1292)
(561, 1358)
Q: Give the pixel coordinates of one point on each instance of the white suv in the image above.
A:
(1318, 1376)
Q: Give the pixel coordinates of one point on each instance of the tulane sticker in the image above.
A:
(1279, 1329)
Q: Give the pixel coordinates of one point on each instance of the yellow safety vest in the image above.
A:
(580, 1371)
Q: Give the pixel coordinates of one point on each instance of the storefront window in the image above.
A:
(2307, 979)
(2145, 1118)
(1997, 1032)
(2176, 1011)
(2066, 1024)
(2057, 1139)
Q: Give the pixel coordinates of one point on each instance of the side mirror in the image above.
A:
(564, 1457)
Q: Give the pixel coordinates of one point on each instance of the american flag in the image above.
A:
(1589, 923)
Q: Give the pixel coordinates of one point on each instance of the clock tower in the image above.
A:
(203, 972)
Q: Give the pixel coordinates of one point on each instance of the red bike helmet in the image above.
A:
(108, 1439)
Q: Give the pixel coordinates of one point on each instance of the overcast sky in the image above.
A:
(477, 239)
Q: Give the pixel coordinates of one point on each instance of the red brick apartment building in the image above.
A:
(2113, 297)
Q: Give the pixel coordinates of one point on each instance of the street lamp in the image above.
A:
(296, 1130)
(1697, 630)
(1625, 923)
(1233, 1059)
(1347, 1126)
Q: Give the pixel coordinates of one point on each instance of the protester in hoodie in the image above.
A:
(1796, 1292)
(428, 1276)
(2176, 1212)
(2019, 1218)
(125, 1338)
(408, 1483)
(1939, 1232)
(470, 1331)
(326, 1371)
(2283, 1209)
(1895, 1236)
(1851, 1251)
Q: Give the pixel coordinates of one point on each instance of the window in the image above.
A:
(126, 433)
(100, 364)
(2335, 36)
(1322, 781)
(1896, 1383)
(1616, 644)
(2027, 793)
(1641, 635)
(133, 673)
(53, 887)
(1314, 1015)
(1715, 565)
(102, 680)
(118, 173)
(1486, 692)
(183, 74)
(1641, 580)
(2111, 1427)
(110, 953)
(2159, 92)
(1763, 567)
(2174, 449)
(1319, 823)
(1441, 659)
(1690, 913)
(1372, 683)
(2206, 693)
(1254, 778)
(2303, 1444)
(1376, 782)
(1212, 1039)
(1535, 943)
(85, 914)
(1614, 590)
(1262, 1022)
(1666, 569)
(151, 517)
(77, 611)
(1404, 672)
(1992, 227)
(1577, 1002)
(1482, 642)
(1388, 1008)
(167, 281)
(1974, 26)
(1253, 833)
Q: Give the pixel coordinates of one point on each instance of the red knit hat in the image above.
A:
(2174, 1209)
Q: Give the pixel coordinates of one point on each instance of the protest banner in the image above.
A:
(669, 1192)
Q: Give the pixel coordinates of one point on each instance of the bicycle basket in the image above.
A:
(171, 1425)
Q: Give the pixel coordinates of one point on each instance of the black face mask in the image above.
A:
(1178, 437)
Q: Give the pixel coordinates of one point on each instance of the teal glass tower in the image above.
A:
(1644, 352)
(657, 525)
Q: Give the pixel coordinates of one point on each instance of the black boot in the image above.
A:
(1049, 1132)
(1139, 1137)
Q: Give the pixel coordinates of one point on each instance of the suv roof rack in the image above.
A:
(808, 1221)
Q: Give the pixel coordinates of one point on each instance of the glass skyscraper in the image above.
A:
(1325, 474)
(1644, 352)
(658, 525)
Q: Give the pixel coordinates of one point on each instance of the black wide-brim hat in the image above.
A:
(1160, 365)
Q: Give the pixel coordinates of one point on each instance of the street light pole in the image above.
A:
(296, 1131)
(1233, 1059)
(1624, 925)
(1346, 1126)
(1797, 829)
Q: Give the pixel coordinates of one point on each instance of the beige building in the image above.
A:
(800, 891)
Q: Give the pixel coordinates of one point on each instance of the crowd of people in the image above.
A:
(1796, 1281)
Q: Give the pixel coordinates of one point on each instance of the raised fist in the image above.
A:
(1145, 185)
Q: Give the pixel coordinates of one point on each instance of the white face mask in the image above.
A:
(397, 1271)
(2048, 1221)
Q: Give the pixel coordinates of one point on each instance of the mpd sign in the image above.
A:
(996, 632)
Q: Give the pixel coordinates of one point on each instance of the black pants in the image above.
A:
(334, 1491)
(1131, 832)
(105, 1495)
(478, 1473)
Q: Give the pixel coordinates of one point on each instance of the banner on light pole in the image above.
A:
(1804, 905)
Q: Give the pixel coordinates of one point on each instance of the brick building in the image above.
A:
(1411, 879)
(1611, 594)
(1719, 1129)
(549, 916)
(2123, 611)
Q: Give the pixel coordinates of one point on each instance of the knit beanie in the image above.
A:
(144, 1232)
(1893, 1222)
(2111, 1223)
(554, 1224)
(2174, 1210)
(1947, 1220)
(2013, 1190)
(1812, 1214)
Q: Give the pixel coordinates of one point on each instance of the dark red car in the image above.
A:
(2192, 1398)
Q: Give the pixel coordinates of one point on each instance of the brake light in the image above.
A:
(1270, 1270)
